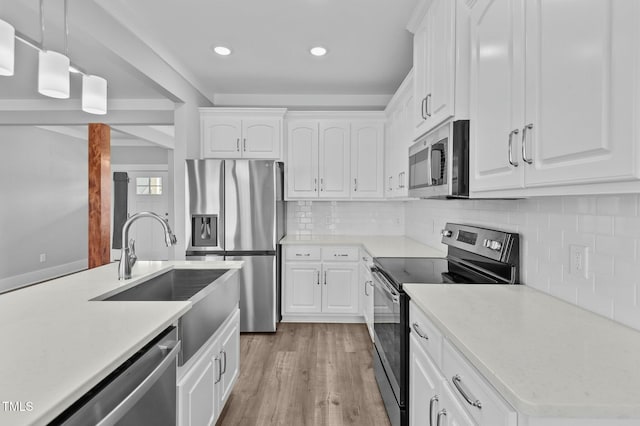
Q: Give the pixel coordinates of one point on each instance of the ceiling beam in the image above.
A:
(147, 134)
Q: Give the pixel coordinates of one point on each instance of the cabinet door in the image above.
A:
(340, 288)
(420, 68)
(497, 95)
(221, 137)
(390, 154)
(302, 167)
(425, 383)
(367, 163)
(334, 152)
(579, 101)
(197, 398)
(302, 287)
(441, 63)
(229, 358)
(261, 138)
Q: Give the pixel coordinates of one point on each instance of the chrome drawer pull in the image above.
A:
(432, 403)
(340, 255)
(303, 254)
(442, 413)
(513, 132)
(472, 400)
(219, 363)
(419, 332)
(224, 357)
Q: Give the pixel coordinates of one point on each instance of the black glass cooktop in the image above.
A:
(428, 270)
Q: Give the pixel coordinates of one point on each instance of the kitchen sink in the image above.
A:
(173, 285)
(214, 294)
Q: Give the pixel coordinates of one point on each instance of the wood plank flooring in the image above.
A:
(306, 374)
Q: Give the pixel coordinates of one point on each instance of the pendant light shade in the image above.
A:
(7, 48)
(94, 94)
(53, 74)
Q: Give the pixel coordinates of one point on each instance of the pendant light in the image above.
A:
(94, 94)
(7, 48)
(53, 67)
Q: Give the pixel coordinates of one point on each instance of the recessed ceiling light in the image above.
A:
(318, 51)
(222, 50)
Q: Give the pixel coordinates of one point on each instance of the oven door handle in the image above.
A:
(395, 297)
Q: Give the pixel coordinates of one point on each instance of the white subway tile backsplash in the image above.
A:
(609, 225)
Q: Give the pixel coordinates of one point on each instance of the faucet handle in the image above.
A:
(132, 245)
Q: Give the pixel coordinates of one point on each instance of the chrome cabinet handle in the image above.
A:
(224, 357)
(366, 293)
(432, 403)
(340, 255)
(355, 184)
(442, 413)
(219, 364)
(325, 277)
(513, 132)
(427, 103)
(524, 143)
(318, 277)
(238, 144)
(315, 185)
(419, 332)
(303, 254)
(390, 183)
(244, 144)
(422, 108)
(322, 184)
(472, 400)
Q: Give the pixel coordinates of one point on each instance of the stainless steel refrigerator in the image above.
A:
(237, 212)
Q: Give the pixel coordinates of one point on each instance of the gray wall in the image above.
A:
(43, 207)
(139, 155)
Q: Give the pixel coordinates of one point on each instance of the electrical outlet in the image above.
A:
(43, 257)
(579, 261)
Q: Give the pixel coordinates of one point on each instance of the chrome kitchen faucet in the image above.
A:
(128, 253)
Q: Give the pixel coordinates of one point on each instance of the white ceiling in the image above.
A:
(369, 47)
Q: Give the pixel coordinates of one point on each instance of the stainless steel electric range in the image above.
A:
(475, 255)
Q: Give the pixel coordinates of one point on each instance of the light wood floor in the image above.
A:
(306, 374)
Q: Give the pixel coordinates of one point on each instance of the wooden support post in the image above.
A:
(99, 194)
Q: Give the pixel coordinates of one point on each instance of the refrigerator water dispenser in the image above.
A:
(204, 230)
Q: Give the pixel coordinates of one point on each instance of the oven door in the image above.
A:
(388, 330)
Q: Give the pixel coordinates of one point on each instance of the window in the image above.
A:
(149, 186)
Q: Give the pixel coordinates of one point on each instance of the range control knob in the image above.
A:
(492, 245)
(446, 233)
(486, 243)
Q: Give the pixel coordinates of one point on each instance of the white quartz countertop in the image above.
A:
(376, 246)
(57, 343)
(546, 357)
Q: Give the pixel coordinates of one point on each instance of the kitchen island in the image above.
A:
(58, 343)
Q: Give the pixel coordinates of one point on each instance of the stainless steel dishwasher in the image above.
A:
(142, 391)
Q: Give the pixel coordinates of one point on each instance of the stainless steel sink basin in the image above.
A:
(214, 294)
(173, 285)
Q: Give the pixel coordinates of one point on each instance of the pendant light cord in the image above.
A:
(42, 22)
(66, 28)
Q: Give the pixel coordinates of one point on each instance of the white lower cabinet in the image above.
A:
(366, 290)
(444, 387)
(322, 286)
(205, 387)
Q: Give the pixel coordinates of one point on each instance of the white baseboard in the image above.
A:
(22, 280)
(324, 318)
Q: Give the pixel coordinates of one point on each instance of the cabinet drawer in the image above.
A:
(336, 254)
(426, 334)
(464, 379)
(302, 253)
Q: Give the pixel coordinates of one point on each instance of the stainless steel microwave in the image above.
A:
(439, 163)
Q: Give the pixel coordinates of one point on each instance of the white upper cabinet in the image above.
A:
(496, 94)
(335, 148)
(367, 165)
(302, 164)
(551, 104)
(241, 132)
(399, 137)
(335, 155)
(440, 63)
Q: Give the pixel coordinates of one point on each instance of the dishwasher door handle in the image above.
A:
(130, 400)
